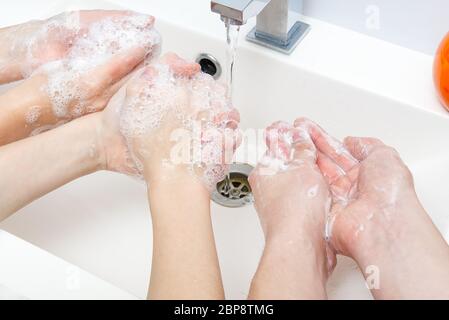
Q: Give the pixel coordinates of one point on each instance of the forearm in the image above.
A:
(291, 269)
(35, 166)
(185, 263)
(411, 264)
(24, 109)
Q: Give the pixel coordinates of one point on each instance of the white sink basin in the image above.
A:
(101, 222)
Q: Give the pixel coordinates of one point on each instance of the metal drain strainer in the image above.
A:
(235, 191)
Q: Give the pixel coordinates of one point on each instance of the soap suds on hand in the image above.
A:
(33, 114)
(312, 192)
(196, 104)
(103, 40)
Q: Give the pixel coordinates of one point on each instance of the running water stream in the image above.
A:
(232, 36)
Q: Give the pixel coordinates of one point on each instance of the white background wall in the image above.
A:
(416, 24)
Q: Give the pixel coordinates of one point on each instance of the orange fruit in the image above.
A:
(441, 72)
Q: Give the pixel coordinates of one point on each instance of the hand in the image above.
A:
(372, 189)
(117, 156)
(292, 199)
(30, 45)
(163, 107)
(27, 109)
(72, 81)
(83, 82)
(291, 195)
(377, 219)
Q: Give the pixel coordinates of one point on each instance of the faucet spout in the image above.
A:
(273, 28)
(238, 11)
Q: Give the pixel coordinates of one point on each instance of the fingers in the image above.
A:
(228, 123)
(113, 89)
(361, 148)
(238, 137)
(339, 181)
(330, 170)
(290, 144)
(328, 145)
(144, 78)
(116, 68)
(229, 119)
(303, 148)
(149, 73)
(179, 66)
(278, 139)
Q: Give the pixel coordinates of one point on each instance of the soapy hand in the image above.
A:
(291, 196)
(159, 110)
(28, 46)
(66, 93)
(371, 189)
(176, 118)
(94, 68)
(77, 83)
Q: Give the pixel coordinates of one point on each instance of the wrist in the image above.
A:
(300, 241)
(13, 53)
(295, 225)
(25, 110)
(307, 253)
(171, 194)
(162, 172)
(27, 94)
(177, 178)
(97, 143)
(89, 135)
(389, 230)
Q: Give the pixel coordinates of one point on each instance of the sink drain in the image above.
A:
(234, 191)
(209, 64)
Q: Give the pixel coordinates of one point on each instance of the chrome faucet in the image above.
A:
(272, 28)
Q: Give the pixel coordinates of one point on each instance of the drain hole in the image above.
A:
(234, 191)
(209, 64)
(208, 67)
(234, 187)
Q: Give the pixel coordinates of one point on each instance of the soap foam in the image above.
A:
(312, 192)
(277, 159)
(145, 110)
(33, 114)
(39, 42)
(103, 40)
(196, 104)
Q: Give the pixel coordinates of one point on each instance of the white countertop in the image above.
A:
(28, 272)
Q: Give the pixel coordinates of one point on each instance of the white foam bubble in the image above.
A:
(32, 115)
(194, 104)
(360, 229)
(313, 191)
(67, 82)
(272, 165)
(41, 41)
(114, 35)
